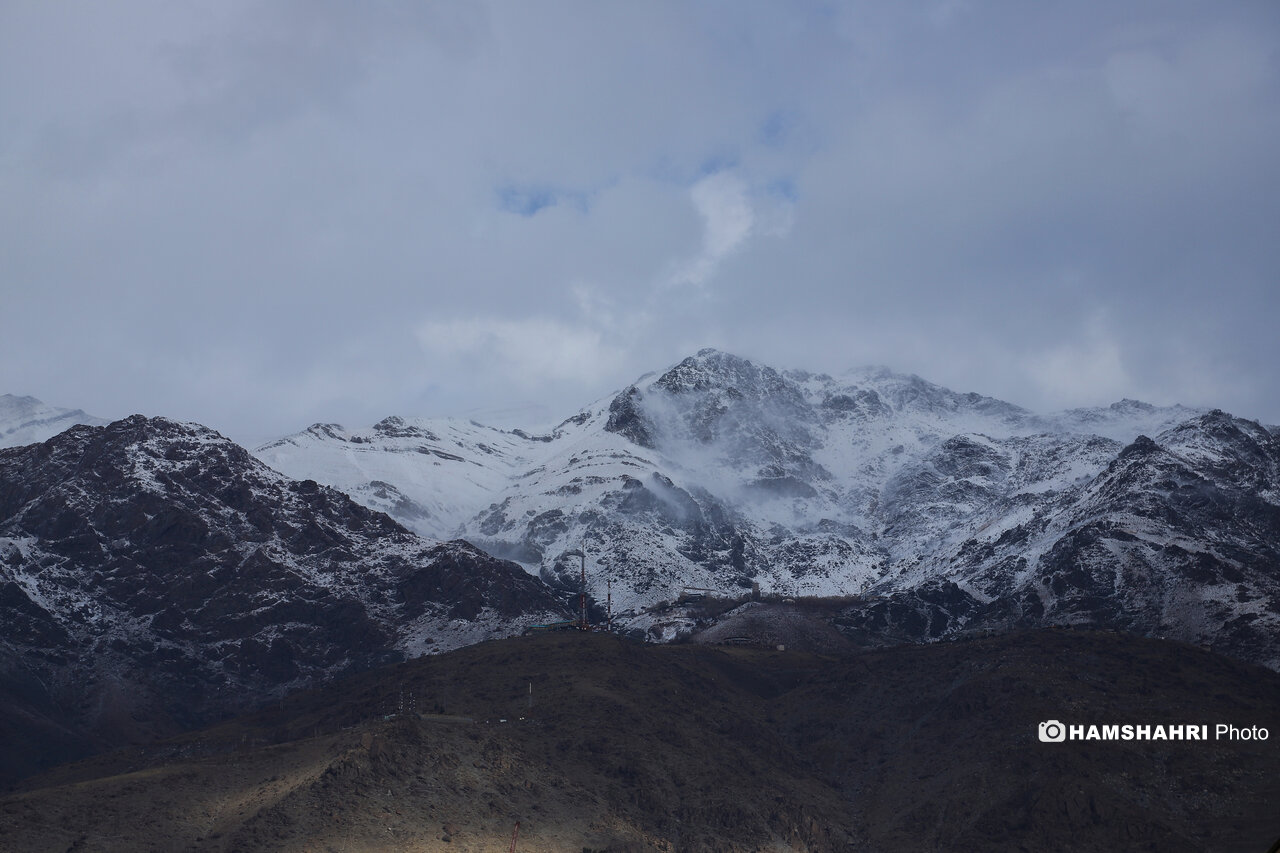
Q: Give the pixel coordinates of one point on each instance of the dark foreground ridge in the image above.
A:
(593, 742)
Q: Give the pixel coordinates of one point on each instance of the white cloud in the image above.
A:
(1089, 370)
(721, 199)
(728, 219)
(534, 351)
(298, 174)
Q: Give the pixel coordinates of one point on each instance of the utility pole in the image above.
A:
(582, 594)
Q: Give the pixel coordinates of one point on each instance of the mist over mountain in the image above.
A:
(937, 512)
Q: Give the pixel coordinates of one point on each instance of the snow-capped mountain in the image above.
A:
(431, 475)
(26, 420)
(945, 511)
(154, 570)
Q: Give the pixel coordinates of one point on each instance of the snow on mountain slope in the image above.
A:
(26, 420)
(431, 475)
(943, 510)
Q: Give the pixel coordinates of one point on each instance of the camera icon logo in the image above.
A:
(1052, 731)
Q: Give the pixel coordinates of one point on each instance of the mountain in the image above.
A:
(431, 475)
(592, 742)
(155, 576)
(26, 420)
(1177, 536)
(931, 512)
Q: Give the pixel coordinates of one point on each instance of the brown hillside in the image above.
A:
(631, 747)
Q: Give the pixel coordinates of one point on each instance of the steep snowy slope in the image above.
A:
(154, 568)
(432, 475)
(26, 420)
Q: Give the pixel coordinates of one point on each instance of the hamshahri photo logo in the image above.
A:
(1055, 731)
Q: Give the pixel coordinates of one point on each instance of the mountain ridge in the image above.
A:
(723, 474)
(726, 475)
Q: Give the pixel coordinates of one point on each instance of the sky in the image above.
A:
(260, 215)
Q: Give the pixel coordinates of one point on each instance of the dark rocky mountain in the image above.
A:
(155, 576)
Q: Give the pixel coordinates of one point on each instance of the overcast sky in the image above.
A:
(261, 215)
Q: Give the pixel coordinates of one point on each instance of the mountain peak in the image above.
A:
(144, 428)
(712, 369)
(1141, 446)
(1130, 405)
(1223, 426)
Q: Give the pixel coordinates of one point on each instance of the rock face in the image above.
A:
(934, 512)
(154, 574)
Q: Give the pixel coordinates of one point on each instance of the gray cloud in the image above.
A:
(258, 215)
